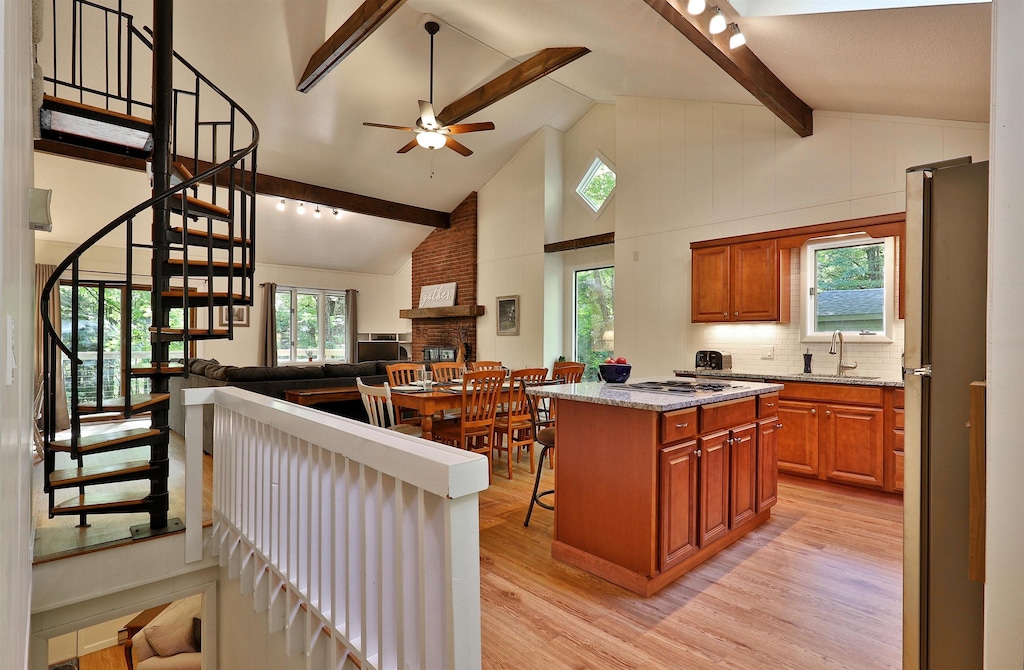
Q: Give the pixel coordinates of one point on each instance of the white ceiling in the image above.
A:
(924, 62)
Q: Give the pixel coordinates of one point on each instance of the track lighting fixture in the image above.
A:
(337, 214)
(301, 209)
(316, 212)
(717, 24)
(695, 7)
(280, 205)
(736, 40)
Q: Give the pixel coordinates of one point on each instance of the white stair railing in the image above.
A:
(362, 542)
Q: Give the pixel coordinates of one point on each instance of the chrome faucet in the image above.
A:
(841, 369)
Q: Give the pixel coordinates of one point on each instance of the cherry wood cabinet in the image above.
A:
(895, 467)
(678, 507)
(767, 463)
(714, 487)
(851, 441)
(742, 475)
(740, 282)
(798, 439)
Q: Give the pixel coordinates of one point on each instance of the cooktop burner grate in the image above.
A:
(680, 386)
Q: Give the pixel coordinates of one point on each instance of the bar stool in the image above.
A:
(544, 434)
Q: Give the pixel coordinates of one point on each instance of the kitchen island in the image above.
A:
(650, 482)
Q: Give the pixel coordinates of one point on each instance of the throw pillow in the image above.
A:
(170, 632)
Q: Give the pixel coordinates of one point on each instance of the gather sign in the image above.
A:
(438, 295)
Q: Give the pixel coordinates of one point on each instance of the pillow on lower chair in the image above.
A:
(170, 632)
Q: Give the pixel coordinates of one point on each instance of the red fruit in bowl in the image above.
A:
(609, 360)
(621, 361)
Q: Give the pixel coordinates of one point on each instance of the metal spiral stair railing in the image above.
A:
(203, 264)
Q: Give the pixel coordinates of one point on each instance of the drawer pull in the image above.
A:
(778, 425)
(769, 404)
(682, 425)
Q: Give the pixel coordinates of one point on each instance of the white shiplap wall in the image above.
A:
(691, 171)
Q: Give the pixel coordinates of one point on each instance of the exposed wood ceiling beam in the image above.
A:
(275, 186)
(742, 65)
(580, 243)
(539, 65)
(367, 18)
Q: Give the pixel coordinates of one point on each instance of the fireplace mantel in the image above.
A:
(455, 312)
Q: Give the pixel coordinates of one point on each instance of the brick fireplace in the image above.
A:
(447, 255)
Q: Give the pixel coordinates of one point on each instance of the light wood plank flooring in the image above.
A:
(817, 586)
(111, 658)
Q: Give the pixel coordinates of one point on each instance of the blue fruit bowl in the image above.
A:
(615, 373)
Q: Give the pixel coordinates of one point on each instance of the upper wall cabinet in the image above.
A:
(747, 281)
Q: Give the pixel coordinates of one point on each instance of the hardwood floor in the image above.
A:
(817, 586)
(111, 658)
(59, 537)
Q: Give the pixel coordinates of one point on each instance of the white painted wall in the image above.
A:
(594, 132)
(16, 303)
(691, 171)
(1004, 587)
(513, 211)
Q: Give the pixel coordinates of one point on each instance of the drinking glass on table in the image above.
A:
(428, 379)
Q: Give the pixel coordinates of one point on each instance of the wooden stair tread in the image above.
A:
(193, 293)
(96, 501)
(72, 476)
(191, 331)
(136, 402)
(199, 207)
(202, 233)
(183, 170)
(202, 262)
(165, 368)
(89, 442)
(49, 100)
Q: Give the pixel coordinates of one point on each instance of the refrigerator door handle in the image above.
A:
(926, 371)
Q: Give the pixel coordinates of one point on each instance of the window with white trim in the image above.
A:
(848, 284)
(595, 187)
(311, 324)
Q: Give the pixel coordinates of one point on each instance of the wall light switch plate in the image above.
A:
(768, 353)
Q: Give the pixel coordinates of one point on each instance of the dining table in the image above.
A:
(439, 398)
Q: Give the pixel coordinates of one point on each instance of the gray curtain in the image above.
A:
(351, 327)
(43, 273)
(267, 354)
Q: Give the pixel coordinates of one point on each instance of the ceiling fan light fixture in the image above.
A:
(695, 7)
(430, 140)
(717, 24)
(736, 40)
(281, 205)
(301, 209)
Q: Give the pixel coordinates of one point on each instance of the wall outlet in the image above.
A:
(768, 353)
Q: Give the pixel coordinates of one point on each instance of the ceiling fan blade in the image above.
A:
(408, 147)
(539, 65)
(384, 125)
(455, 146)
(427, 115)
(469, 127)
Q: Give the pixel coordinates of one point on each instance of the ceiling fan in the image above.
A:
(431, 133)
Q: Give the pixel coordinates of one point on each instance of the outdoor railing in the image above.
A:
(373, 534)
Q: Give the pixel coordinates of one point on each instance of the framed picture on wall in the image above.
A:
(239, 316)
(508, 315)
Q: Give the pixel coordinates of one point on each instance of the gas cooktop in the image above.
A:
(681, 386)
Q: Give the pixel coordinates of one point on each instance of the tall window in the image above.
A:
(311, 325)
(594, 324)
(849, 282)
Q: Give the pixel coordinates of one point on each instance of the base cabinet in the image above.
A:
(853, 445)
(714, 486)
(768, 431)
(742, 475)
(798, 441)
(678, 475)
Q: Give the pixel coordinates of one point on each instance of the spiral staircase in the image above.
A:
(122, 92)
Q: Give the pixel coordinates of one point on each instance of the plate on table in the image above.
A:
(408, 389)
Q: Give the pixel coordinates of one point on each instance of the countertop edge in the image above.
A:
(619, 395)
(797, 377)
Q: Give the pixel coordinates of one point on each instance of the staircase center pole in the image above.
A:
(163, 66)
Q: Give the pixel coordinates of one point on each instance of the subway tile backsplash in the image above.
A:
(745, 343)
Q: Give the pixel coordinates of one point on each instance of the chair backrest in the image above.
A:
(445, 372)
(480, 392)
(518, 381)
(400, 374)
(567, 372)
(377, 401)
(486, 365)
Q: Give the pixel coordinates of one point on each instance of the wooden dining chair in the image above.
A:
(380, 410)
(513, 427)
(486, 365)
(402, 374)
(445, 372)
(474, 430)
(567, 372)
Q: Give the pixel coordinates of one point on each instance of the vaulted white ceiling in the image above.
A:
(923, 62)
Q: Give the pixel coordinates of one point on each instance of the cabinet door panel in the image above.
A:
(798, 438)
(755, 281)
(742, 474)
(714, 486)
(853, 445)
(767, 463)
(709, 299)
(678, 496)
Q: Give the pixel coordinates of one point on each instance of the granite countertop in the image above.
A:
(794, 377)
(621, 395)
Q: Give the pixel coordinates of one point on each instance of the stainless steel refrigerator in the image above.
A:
(947, 268)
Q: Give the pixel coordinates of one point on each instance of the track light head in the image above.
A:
(717, 24)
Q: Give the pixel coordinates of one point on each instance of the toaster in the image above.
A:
(713, 360)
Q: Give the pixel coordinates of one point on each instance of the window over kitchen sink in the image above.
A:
(848, 284)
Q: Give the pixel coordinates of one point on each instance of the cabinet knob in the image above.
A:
(725, 313)
(735, 313)
(828, 413)
(778, 425)
(697, 453)
(814, 411)
(682, 425)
